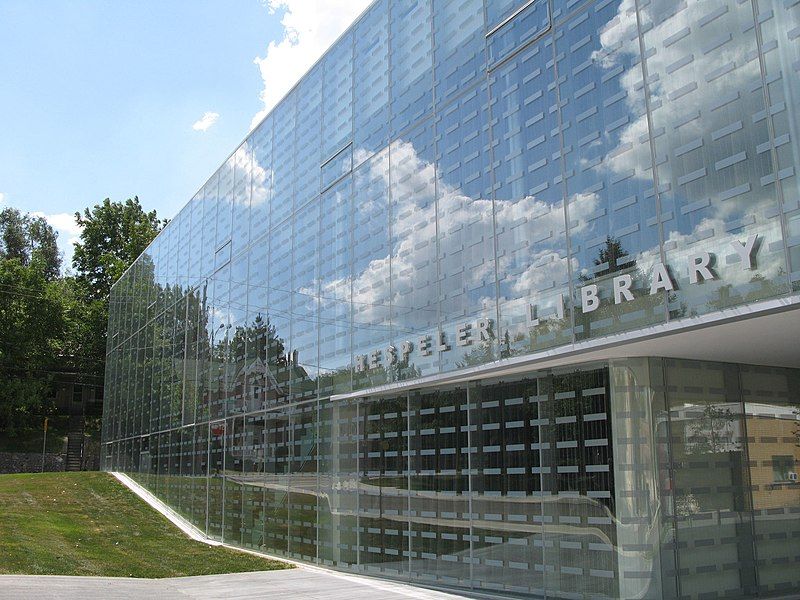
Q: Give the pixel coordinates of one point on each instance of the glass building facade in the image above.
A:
(444, 316)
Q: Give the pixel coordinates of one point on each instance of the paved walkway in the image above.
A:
(292, 584)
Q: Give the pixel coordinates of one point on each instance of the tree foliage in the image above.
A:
(31, 319)
(53, 324)
(29, 238)
(113, 234)
(31, 332)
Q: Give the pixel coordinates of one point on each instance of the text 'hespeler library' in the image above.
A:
(502, 297)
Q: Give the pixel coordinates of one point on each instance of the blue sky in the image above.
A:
(98, 99)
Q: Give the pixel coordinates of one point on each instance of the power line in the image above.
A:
(53, 372)
(13, 292)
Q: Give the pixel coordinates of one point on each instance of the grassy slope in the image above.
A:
(89, 524)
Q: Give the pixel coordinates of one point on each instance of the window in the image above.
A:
(337, 166)
(222, 256)
(783, 468)
(515, 27)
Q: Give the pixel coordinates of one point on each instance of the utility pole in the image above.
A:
(44, 442)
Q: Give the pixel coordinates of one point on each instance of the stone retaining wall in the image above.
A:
(30, 462)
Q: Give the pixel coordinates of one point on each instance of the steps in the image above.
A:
(74, 460)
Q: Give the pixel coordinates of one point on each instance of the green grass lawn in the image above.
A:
(90, 524)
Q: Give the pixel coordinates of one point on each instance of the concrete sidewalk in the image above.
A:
(294, 584)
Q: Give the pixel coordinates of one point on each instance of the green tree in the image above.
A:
(113, 235)
(29, 238)
(31, 316)
(52, 324)
(31, 331)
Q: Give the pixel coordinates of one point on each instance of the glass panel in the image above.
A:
(579, 510)
(414, 272)
(220, 332)
(237, 375)
(200, 477)
(465, 232)
(716, 186)
(194, 243)
(714, 536)
(204, 353)
(383, 510)
(507, 486)
(162, 376)
(225, 202)
(411, 62)
(279, 285)
(337, 103)
(276, 483)
(232, 494)
(498, 11)
(177, 358)
(153, 354)
(216, 478)
(614, 233)
(252, 481)
(439, 487)
(530, 222)
(523, 27)
(371, 265)
(308, 144)
(186, 472)
(192, 369)
(371, 82)
(260, 390)
(335, 167)
(459, 46)
(642, 480)
(335, 255)
(240, 230)
(340, 432)
(303, 483)
(282, 202)
(303, 365)
(772, 418)
(778, 21)
(210, 195)
(260, 144)
(164, 458)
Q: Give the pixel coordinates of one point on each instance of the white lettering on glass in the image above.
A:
(463, 335)
(661, 279)
(622, 289)
(745, 251)
(589, 299)
(698, 267)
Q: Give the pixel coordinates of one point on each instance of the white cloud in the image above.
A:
(2, 197)
(620, 47)
(262, 182)
(309, 28)
(68, 232)
(417, 191)
(206, 121)
(62, 222)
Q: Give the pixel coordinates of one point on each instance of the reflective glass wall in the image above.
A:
(642, 478)
(706, 459)
(453, 183)
(499, 485)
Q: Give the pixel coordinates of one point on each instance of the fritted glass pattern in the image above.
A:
(455, 183)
